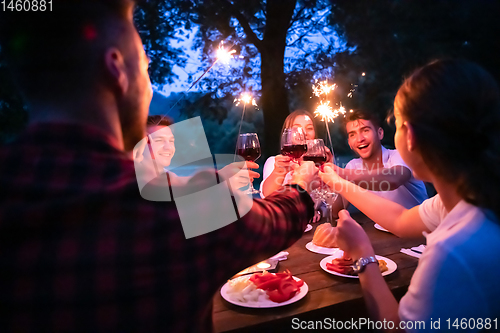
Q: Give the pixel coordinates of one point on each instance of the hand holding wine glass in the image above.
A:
(239, 174)
(282, 164)
(316, 152)
(293, 143)
(304, 174)
(330, 177)
(248, 147)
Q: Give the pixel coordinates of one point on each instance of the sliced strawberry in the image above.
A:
(285, 291)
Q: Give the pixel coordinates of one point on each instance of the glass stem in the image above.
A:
(328, 213)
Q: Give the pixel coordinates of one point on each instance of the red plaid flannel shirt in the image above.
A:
(80, 250)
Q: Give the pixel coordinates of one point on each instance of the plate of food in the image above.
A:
(264, 290)
(338, 265)
(323, 241)
(379, 227)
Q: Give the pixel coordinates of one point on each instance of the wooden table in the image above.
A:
(329, 296)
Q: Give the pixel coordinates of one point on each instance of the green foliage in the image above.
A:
(158, 24)
(385, 39)
(259, 31)
(220, 117)
(388, 39)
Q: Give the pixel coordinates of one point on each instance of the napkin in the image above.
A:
(411, 253)
(414, 251)
(283, 255)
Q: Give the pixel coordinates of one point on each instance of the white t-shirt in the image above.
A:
(409, 194)
(458, 273)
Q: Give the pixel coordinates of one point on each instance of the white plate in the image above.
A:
(379, 227)
(391, 265)
(267, 303)
(320, 249)
(308, 228)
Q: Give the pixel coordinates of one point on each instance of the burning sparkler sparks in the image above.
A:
(353, 89)
(245, 98)
(223, 55)
(323, 88)
(327, 112)
(340, 110)
(324, 110)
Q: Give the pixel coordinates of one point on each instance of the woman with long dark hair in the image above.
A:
(448, 132)
(277, 169)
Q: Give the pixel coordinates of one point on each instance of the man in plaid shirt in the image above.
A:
(80, 250)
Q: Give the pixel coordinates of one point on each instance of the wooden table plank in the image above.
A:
(329, 295)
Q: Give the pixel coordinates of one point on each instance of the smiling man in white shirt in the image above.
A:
(379, 170)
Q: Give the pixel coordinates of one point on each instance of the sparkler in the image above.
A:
(222, 54)
(324, 110)
(327, 114)
(353, 89)
(245, 98)
(322, 88)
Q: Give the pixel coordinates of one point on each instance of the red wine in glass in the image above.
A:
(294, 151)
(293, 143)
(317, 159)
(248, 147)
(249, 154)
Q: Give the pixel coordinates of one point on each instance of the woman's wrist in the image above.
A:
(363, 251)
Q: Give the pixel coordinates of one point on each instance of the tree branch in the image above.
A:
(313, 26)
(297, 16)
(251, 36)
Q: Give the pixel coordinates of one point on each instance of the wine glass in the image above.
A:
(315, 152)
(248, 147)
(293, 143)
(328, 198)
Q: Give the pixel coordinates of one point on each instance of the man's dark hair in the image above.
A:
(362, 115)
(57, 54)
(158, 120)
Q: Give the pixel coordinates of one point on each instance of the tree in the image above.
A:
(388, 39)
(158, 24)
(258, 29)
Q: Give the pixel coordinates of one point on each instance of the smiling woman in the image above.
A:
(277, 168)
